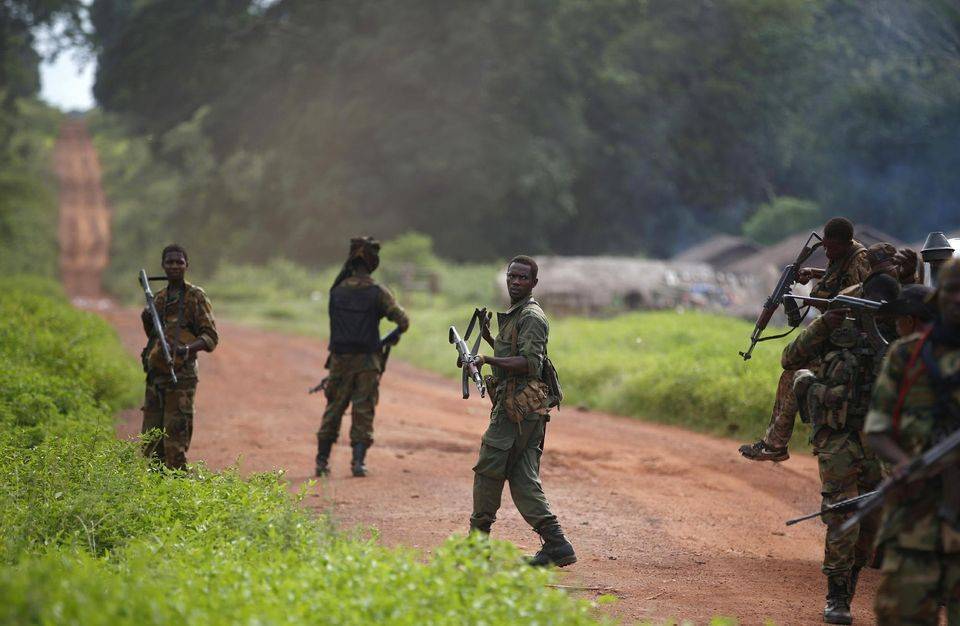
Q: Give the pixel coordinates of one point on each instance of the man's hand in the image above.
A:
(485, 328)
(187, 352)
(806, 274)
(834, 317)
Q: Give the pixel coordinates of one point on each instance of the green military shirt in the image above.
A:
(387, 308)
(852, 269)
(913, 521)
(528, 321)
(197, 323)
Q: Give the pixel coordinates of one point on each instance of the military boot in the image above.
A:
(556, 550)
(356, 465)
(761, 451)
(837, 610)
(323, 457)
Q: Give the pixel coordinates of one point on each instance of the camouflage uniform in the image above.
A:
(834, 399)
(355, 376)
(513, 443)
(850, 270)
(168, 406)
(921, 551)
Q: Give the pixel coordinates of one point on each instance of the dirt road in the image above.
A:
(675, 523)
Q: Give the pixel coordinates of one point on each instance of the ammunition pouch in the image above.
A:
(552, 379)
(531, 398)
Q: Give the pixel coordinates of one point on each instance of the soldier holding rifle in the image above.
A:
(847, 266)
(357, 353)
(523, 388)
(186, 319)
(915, 406)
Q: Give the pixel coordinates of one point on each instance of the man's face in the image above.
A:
(174, 265)
(835, 248)
(949, 301)
(520, 281)
(906, 325)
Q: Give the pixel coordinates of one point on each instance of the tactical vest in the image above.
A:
(354, 319)
(841, 395)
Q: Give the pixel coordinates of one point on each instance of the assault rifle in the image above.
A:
(866, 310)
(467, 358)
(787, 278)
(388, 341)
(157, 324)
(839, 507)
(927, 465)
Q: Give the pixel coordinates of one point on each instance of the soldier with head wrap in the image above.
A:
(357, 304)
(914, 406)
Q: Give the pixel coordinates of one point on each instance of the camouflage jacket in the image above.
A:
(913, 521)
(842, 273)
(197, 323)
(845, 372)
(521, 396)
(388, 308)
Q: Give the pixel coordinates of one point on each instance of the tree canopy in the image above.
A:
(569, 126)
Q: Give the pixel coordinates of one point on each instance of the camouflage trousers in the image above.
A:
(169, 408)
(510, 453)
(784, 412)
(847, 470)
(360, 390)
(914, 583)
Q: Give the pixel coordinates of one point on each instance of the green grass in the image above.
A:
(92, 534)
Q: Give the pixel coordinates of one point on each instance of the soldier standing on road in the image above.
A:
(847, 266)
(513, 443)
(357, 303)
(834, 399)
(914, 406)
(189, 328)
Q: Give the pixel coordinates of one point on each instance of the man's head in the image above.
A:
(837, 237)
(365, 251)
(521, 277)
(911, 310)
(947, 295)
(882, 258)
(175, 262)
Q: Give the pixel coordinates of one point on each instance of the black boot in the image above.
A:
(837, 610)
(356, 465)
(556, 550)
(323, 456)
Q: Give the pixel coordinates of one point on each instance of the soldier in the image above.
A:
(189, 328)
(847, 266)
(914, 406)
(356, 361)
(834, 400)
(513, 442)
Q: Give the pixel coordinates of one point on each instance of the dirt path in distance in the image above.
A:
(674, 523)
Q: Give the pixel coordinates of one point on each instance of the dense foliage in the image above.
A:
(93, 535)
(572, 126)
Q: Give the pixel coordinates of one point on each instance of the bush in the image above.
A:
(92, 534)
(781, 218)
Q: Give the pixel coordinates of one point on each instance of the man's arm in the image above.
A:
(207, 336)
(532, 334)
(393, 311)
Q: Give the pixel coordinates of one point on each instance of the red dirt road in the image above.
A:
(675, 524)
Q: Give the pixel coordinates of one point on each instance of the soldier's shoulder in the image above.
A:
(533, 310)
(358, 282)
(903, 348)
(197, 292)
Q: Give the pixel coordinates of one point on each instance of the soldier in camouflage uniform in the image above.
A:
(513, 443)
(357, 304)
(915, 405)
(189, 328)
(847, 266)
(834, 398)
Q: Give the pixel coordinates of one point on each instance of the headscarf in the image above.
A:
(365, 250)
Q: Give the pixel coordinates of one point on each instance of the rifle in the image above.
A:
(927, 465)
(787, 278)
(867, 312)
(837, 506)
(468, 358)
(157, 324)
(386, 342)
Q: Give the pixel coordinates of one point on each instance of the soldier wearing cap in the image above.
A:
(357, 304)
(914, 406)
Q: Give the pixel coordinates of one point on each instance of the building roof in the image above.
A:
(720, 251)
